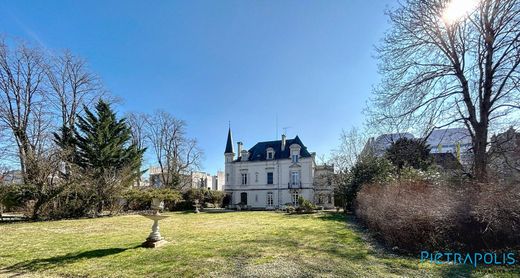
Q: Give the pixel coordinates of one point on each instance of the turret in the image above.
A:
(229, 153)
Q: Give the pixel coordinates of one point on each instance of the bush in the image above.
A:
(141, 199)
(205, 197)
(365, 171)
(305, 206)
(16, 196)
(214, 198)
(420, 215)
(414, 153)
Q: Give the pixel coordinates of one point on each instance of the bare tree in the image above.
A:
(73, 86)
(352, 143)
(138, 125)
(176, 154)
(22, 79)
(443, 66)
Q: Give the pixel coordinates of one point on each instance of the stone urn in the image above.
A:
(157, 204)
(197, 206)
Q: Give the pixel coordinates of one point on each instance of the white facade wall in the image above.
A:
(257, 187)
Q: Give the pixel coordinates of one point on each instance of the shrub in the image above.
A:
(420, 215)
(305, 206)
(205, 197)
(414, 153)
(16, 196)
(216, 198)
(140, 199)
(365, 171)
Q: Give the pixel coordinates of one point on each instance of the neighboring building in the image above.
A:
(12, 177)
(142, 183)
(218, 181)
(505, 156)
(445, 144)
(270, 174)
(155, 179)
(323, 186)
(456, 141)
(201, 180)
(446, 161)
(378, 146)
(195, 179)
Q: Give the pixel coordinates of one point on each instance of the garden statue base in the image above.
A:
(154, 244)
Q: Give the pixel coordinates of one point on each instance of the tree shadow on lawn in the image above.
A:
(57, 261)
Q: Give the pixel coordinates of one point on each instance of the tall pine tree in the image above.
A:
(104, 150)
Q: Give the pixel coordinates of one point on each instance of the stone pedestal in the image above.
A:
(154, 244)
(155, 239)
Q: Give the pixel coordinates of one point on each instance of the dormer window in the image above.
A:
(270, 154)
(295, 152)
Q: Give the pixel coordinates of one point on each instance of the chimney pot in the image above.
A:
(239, 146)
(283, 142)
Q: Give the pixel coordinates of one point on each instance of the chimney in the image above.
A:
(239, 147)
(283, 142)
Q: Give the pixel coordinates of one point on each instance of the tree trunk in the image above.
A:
(480, 158)
(36, 209)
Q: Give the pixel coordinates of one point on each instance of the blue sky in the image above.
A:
(209, 62)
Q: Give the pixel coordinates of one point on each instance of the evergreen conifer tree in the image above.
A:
(104, 150)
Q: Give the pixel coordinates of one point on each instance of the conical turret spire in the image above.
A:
(229, 144)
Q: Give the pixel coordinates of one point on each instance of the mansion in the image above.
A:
(272, 174)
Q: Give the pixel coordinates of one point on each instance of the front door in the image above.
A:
(243, 198)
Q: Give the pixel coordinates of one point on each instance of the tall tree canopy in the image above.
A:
(104, 149)
(452, 64)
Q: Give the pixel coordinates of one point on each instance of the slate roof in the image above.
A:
(259, 151)
(449, 136)
(384, 141)
(229, 144)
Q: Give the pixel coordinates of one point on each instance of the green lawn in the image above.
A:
(243, 244)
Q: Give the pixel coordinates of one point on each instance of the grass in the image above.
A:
(237, 244)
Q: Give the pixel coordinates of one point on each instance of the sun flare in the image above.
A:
(457, 9)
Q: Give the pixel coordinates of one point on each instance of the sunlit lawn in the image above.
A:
(245, 244)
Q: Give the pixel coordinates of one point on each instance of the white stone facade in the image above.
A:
(269, 175)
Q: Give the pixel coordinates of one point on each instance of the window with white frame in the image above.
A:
(294, 158)
(295, 177)
(270, 153)
(244, 178)
(270, 200)
(256, 177)
(295, 197)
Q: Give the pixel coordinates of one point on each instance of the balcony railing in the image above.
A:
(295, 185)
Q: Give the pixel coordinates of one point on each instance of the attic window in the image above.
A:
(270, 153)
